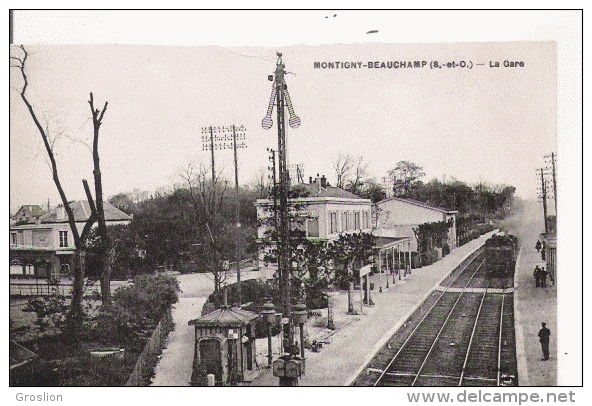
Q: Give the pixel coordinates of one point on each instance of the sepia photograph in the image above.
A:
(252, 205)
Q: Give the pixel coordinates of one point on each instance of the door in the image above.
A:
(248, 348)
(211, 357)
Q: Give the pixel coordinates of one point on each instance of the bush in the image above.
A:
(415, 260)
(51, 311)
(445, 249)
(149, 296)
(89, 371)
(134, 313)
(428, 258)
(199, 376)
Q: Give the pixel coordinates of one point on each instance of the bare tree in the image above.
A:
(207, 198)
(80, 239)
(342, 164)
(359, 175)
(260, 183)
(97, 118)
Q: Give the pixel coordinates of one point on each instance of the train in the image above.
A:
(501, 251)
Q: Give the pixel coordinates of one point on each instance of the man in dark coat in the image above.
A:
(538, 245)
(544, 334)
(537, 276)
(543, 275)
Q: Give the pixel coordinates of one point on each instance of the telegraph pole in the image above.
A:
(552, 156)
(238, 271)
(287, 368)
(221, 139)
(544, 195)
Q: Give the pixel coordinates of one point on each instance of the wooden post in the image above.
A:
(399, 264)
(211, 380)
(368, 289)
(409, 250)
(361, 294)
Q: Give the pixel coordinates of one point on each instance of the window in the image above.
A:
(333, 222)
(344, 221)
(312, 227)
(357, 224)
(14, 239)
(63, 238)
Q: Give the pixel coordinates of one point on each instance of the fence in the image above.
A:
(151, 349)
(39, 289)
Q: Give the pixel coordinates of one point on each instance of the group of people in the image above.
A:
(540, 280)
(540, 277)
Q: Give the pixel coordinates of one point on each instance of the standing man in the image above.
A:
(537, 276)
(544, 334)
(538, 245)
(544, 274)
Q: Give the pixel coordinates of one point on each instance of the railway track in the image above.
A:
(465, 338)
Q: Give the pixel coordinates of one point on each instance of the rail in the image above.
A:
(462, 374)
(405, 343)
(443, 325)
(499, 345)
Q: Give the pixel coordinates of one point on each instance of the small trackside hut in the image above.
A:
(225, 344)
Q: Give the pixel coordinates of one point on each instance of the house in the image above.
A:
(46, 247)
(28, 213)
(396, 217)
(327, 211)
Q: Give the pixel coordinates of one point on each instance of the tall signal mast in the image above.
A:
(281, 98)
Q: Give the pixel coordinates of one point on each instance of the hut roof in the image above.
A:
(225, 316)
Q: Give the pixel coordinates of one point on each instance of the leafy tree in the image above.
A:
(406, 177)
(123, 202)
(372, 190)
(348, 253)
(431, 235)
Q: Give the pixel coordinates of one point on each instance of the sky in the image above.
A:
(483, 124)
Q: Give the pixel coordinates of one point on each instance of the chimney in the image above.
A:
(318, 183)
(310, 180)
(324, 181)
(60, 213)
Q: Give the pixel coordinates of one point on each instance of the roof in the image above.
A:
(421, 204)
(82, 211)
(225, 316)
(328, 191)
(34, 209)
(385, 242)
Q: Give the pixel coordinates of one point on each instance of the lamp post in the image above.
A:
(300, 316)
(269, 315)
